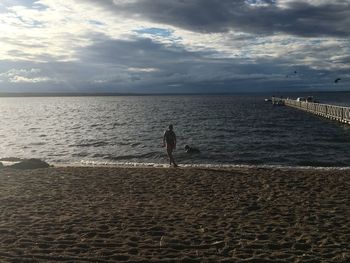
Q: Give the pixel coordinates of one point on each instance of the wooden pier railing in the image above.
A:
(333, 112)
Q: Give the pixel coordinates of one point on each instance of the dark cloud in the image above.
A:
(207, 16)
(122, 66)
(134, 52)
(143, 65)
(176, 69)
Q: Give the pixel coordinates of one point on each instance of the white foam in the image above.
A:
(8, 163)
(85, 163)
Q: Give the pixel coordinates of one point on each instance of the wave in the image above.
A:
(322, 164)
(116, 162)
(88, 163)
(133, 156)
(89, 144)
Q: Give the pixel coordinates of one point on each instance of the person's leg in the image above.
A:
(170, 156)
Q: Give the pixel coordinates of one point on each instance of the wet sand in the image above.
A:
(174, 215)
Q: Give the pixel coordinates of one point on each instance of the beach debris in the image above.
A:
(30, 164)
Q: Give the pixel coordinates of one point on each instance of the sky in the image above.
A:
(174, 46)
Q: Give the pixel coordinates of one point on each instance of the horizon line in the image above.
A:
(106, 94)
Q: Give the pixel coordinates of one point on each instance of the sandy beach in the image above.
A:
(86, 214)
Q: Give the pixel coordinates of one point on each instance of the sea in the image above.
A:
(229, 130)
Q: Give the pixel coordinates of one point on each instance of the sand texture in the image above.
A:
(174, 215)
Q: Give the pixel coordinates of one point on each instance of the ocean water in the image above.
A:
(227, 129)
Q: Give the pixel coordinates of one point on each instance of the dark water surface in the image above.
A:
(235, 130)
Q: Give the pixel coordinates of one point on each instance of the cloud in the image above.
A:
(46, 30)
(143, 69)
(311, 18)
(23, 76)
(146, 64)
(163, 45)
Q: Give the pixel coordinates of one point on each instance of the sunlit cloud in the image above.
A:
(134, 44)
(142, 69)
(23, 76)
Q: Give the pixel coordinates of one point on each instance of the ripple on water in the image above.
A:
(226, 129)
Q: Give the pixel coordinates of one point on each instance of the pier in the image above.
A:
(333, 112)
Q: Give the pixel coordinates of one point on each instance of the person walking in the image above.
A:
(169, 141)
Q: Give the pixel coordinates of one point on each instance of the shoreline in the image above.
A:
(28, 164)
(93, 164)
(109, 214)
(201, 166)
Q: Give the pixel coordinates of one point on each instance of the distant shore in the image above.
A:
(85, 214)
